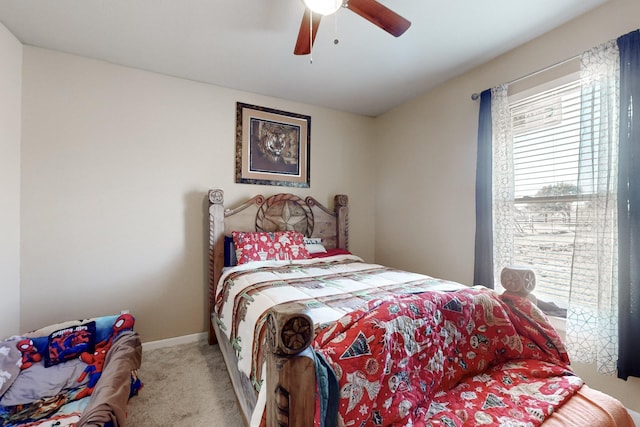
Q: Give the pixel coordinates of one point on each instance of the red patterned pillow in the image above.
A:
(262, 246)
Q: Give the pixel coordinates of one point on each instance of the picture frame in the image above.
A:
(272, 146)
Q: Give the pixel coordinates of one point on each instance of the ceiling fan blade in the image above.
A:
(380, 15)
(304, 42)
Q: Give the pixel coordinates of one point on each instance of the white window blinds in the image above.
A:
(546, 143)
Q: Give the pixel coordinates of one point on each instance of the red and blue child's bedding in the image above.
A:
(47, 376)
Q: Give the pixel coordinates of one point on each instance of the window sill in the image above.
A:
(559, 323)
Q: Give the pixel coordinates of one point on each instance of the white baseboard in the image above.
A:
(184, 339)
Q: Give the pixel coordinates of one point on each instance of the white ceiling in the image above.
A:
(248, 44)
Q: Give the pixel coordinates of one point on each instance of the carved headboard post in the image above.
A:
(216, 248)
(341, 208)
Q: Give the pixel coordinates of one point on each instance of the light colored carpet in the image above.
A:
(188, 385)
(184, 385)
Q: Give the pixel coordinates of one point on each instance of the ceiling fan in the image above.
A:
(371, 10)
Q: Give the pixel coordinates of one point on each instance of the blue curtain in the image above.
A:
(629, 208)
(483, 267)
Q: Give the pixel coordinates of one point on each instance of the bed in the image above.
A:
(328, 339)
(76, 373)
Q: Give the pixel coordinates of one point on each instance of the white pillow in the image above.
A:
(314, 245)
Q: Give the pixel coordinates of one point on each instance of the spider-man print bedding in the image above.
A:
(468, 357)
(47, 377)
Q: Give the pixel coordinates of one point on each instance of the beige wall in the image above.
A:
(426, 155)
(10, 125)
(116, 166)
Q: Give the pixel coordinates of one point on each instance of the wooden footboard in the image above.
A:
(291, 378)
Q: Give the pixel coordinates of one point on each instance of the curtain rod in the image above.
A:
(475, 96)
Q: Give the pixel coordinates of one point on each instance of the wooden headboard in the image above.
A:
(279, 212)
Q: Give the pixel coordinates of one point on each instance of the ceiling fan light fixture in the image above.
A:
(323, 7)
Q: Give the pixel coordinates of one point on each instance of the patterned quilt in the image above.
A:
(329, 287)
(468, 357)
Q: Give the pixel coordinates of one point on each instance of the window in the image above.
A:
(546, 146)
(559, 201)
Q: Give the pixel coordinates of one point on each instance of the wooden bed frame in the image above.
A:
(290, 375)
(290, 367)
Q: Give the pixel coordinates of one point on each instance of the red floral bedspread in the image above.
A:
(468, 357)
